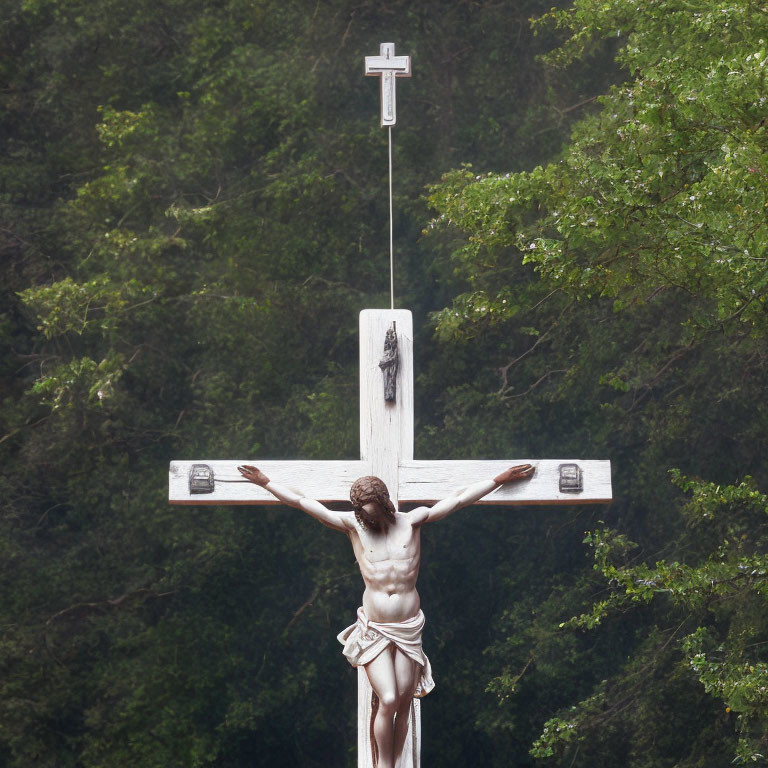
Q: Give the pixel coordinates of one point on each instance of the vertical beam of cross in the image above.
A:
(388, 67)
(386, 428)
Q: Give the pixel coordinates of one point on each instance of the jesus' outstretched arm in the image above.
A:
(339, 521)
(469, 495)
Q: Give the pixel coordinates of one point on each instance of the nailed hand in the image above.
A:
(253, 474)
(515, 474)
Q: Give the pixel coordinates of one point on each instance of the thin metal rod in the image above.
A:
(391, 245)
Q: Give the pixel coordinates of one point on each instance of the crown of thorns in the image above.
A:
(367, 489)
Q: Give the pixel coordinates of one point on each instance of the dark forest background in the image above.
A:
(194, 211)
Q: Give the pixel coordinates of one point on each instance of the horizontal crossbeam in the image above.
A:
(422, 482)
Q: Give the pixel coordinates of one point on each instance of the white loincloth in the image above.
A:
(363, 641)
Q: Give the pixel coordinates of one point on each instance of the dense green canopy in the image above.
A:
(194, 211)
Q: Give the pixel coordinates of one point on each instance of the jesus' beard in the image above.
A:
(378, 521)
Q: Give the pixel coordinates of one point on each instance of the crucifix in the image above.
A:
(385, 641)
(386, 452)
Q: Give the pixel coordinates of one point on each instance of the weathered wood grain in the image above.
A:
(386, 428)
(428, 481)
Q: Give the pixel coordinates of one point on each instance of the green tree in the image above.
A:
(620, 292)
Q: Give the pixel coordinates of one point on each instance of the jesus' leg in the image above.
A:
(407, 675)
(381, 674)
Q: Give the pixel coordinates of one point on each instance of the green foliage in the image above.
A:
(663, 190)
(724, 592)
(194, 212)
(620, 293)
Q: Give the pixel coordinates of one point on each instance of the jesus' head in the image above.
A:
(370, 500)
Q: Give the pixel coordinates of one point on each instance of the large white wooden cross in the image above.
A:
(386, 450)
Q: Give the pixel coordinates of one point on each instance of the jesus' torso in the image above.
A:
(389, 562)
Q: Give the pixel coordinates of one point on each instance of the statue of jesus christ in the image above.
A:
(386, 640)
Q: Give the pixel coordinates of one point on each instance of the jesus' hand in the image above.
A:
(253, 475)
(514, 474)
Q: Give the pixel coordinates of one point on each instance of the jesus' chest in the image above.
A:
(400, 541)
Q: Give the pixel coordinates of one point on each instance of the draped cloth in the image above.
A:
(363, 641)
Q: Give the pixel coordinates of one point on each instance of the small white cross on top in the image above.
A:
(387, 66)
